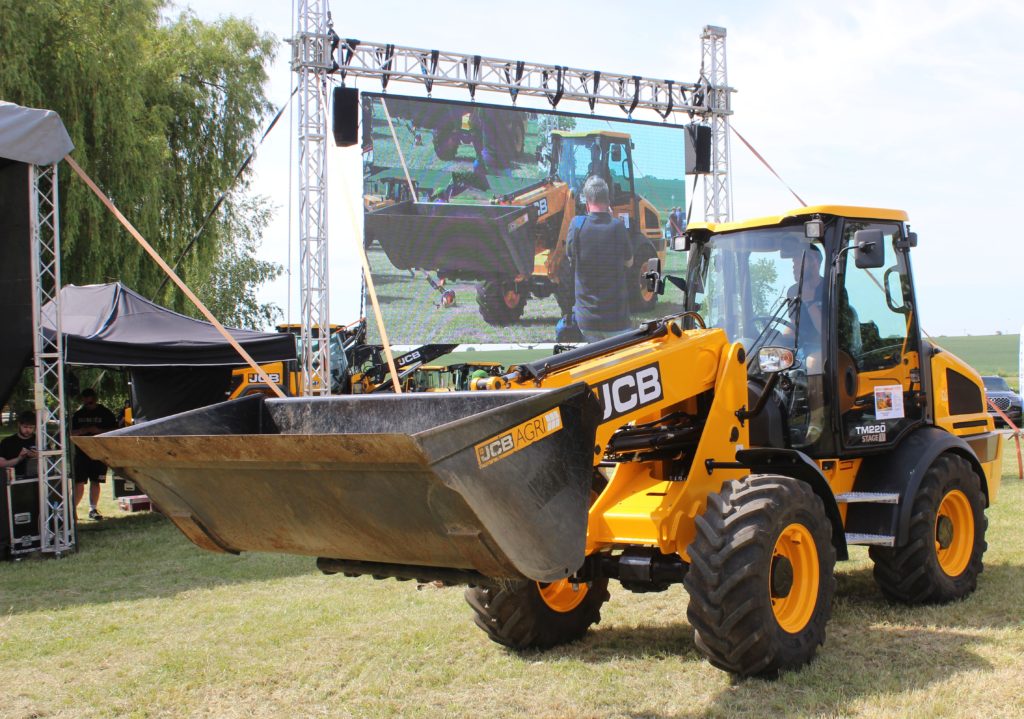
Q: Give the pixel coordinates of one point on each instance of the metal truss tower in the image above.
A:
(312, 60)
(55, 510)
(717, 184)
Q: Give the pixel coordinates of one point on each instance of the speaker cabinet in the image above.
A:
(698, 150)
(345, 116)
(19, 518)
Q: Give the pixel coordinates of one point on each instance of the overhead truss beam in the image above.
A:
(430, 69)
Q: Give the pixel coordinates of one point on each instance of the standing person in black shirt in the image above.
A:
(91, 418)
(19, 449)
(599, 251)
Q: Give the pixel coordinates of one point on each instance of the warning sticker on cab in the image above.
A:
(520, 436)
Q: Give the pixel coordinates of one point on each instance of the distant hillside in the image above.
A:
(989, 354)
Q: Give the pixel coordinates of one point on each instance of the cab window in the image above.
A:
(878, 367)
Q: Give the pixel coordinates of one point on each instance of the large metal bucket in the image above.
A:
(495, 483)
(465, 241)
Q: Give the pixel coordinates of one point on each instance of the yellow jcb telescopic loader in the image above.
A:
(738, 449)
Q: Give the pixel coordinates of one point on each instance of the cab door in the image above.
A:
(877, 341)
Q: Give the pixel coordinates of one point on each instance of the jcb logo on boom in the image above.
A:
(627, 392)
(408, 358)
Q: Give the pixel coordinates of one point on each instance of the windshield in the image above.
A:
(578, 158)
(747, 283)
(996, 384)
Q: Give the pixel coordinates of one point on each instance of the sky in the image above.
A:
(914, 105)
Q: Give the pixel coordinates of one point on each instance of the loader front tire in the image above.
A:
(942, 557)
(501, 303)
(761, 576)
(532, 615)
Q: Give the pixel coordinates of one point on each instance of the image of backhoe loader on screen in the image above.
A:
(512, 248)
(738, 449)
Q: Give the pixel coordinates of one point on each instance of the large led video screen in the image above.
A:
(468, 206)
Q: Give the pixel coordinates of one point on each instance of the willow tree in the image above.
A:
(162, 112)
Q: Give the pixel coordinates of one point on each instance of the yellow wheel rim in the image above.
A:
(561, 596)
(954, 533)
(794, 578)
(511, 298)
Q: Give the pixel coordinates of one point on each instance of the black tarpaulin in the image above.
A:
(112, 326)
(15, 275)
(163, 391)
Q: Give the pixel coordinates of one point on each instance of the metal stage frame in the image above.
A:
(319, 54)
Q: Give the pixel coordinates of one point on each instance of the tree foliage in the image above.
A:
(161, 112)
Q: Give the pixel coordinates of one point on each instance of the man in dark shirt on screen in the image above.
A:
(599, 251)
(92, 418)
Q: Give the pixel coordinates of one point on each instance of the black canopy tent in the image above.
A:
(175, 362)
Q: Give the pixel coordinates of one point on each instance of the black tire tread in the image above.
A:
(514, 615)
(490, 298)
(729, 609)
(910, 573)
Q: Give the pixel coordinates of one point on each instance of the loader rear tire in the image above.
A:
(761, 576)
(532, 615)
(501, 303)
(942, 558)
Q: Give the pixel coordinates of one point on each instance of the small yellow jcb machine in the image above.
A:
(738, 449)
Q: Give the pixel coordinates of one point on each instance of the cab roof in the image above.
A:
(865, 213)
(592, 133)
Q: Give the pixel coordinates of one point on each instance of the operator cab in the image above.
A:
(832, 285)
(609, 155)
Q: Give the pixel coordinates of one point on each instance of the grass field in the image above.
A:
(141, 623)
(412, 311)
(989, 354)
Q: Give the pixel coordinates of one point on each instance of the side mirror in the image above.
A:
(652, 278)
(868, 250)
(616, 153)
(775, 359)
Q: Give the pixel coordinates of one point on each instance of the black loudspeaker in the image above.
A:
(345, 118)
(700, 137)
(21, 515)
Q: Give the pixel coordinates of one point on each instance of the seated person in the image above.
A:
(807, 413)
(809, 319)
(19, 449)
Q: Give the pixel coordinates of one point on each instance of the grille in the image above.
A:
(1002, 403)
